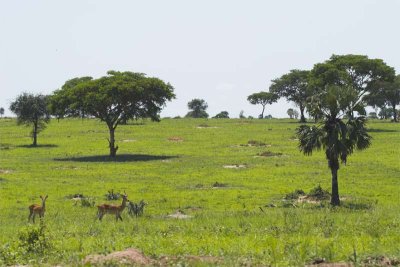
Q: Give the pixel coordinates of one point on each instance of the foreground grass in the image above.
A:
(179, 175)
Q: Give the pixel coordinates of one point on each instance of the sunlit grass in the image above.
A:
(179, 174)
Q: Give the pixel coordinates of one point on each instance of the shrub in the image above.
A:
(295, 194)
(319, 194)
(34, 239)
(113, 196)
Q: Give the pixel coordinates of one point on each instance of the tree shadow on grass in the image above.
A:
(39, 146)
(118, 158)
(374, 130)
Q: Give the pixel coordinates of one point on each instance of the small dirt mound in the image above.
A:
(332, 264)
(189, 259)
(255, 143)
(269, 154)
(235, 166)
(175, 139)
(130, 256)
(381, 261)
(218, 185)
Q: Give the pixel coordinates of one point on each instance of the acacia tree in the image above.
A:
(114, 98)
(290, 112)
(198, 109)
(32, 110)
(387, 94)
(294, 87)
(1, 112)
(262, 98)
(358, 73)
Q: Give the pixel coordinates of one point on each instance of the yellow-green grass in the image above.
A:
(176, 175)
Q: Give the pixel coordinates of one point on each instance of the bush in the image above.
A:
(136, 209)
(295, 194)
(112, 196)
(34, 239)
(319, 194)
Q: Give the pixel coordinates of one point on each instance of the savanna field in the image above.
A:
(231, 189)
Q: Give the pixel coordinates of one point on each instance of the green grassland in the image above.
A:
(176, 175)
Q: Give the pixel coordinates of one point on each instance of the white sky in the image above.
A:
(218, 50)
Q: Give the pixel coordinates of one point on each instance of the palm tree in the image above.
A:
(337, 137)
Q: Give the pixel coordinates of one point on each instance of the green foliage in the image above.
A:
(198, 109)
(32, 110)
(294, 87)
(225, 222)
(222, 115)
(1, 111)
(355, 74)
(295, 194)
(263, 99)
(386, 94)
(113, 99)
(136, 209)
(34, 239)
(112, 196)
(319, 194)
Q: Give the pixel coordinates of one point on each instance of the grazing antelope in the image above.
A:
(112, 209)
(37, 209)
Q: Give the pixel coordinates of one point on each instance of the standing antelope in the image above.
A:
(112, 209)
(37, 209)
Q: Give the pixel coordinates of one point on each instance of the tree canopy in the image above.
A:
(198, 108)
(1, 112)
(32, 110)
(114, 98)
(263, 99)
(294, 87)
(358, 73)
(386, 94)
(222, 115)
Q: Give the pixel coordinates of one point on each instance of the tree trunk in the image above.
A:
(302, 118)
(111, 142)
(335, 201)
(394, 113)
(34, 134)
(262, 113)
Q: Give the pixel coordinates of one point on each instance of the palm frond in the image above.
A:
(310, 138)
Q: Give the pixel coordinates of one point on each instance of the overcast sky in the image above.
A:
(218, 50)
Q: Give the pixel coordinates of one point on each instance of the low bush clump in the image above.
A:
(318, 193)
(295, 194)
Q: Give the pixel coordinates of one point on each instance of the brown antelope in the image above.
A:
(112, 209)
(37, 209)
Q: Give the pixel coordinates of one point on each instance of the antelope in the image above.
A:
(37, 209)
(112, 209)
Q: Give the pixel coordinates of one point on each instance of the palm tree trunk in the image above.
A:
(335, 201)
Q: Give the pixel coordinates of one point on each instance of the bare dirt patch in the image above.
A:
(175, 139)
(130, 256)
(4, 171)
(179, 215)
(269, 154)
(189, 259)
(235, 166)
(333, 264)
(128, 140)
